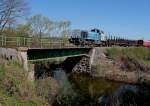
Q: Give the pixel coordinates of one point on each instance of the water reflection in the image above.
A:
(95, 91)
(60, 75)
(84, 90)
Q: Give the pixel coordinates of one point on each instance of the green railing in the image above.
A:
(34, 42)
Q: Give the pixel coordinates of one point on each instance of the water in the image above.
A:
(62, 78)
(83, 90)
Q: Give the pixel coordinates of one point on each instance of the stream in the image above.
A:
(84, 90)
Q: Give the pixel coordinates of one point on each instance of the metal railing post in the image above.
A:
(49, 43)
(41, 42)
(60, 42)
(16, 41)
(5, 40)
(2, 40)
(19, 40)
(24, 41)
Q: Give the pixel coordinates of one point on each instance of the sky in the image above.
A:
(127, 18)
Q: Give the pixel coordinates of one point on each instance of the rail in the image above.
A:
(34, 42)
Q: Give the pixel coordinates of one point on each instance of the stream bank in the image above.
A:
(122, 64)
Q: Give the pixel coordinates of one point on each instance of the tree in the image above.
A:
(62, 28)
(23, 29)
(40, 24)
(10, 10)
(65, 27)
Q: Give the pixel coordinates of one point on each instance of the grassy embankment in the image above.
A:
(133, 62)
(15, 89)
(125, 64)
(141, 54)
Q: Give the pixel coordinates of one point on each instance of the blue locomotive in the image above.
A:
(89, 38)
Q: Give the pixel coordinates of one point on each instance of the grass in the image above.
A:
(147, 62)
(2, 71)
(7, 100)
(141, 54)
(15, 89)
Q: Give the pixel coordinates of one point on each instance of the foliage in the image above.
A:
(23, 29)
(36, 25)
(47, 88)
(138, 53)
(7, 100)
(40, 24)
(15, 89)
(43, 26)
(2, 71)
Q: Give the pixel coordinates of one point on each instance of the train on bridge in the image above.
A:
(96, 37)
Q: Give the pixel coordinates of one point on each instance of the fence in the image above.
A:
(34, 42)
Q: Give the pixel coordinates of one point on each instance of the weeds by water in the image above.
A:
(15, 89)
(130, 59)
(138, 53)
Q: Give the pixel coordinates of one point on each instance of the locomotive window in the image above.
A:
(95, 30)
(84, 35)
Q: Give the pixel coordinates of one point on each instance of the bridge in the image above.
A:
(29, 51)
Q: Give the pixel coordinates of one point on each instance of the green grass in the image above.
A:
(139, 53)
(15, 89)
(147, 62)
(2, 71)
(7, 100)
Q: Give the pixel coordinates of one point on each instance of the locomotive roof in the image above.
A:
(98, 30)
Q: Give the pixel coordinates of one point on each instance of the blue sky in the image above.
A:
(128, 18)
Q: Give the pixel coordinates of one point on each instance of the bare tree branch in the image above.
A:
(40, 24)
(11, 10)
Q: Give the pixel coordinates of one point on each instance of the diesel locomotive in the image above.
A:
(96, 37)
